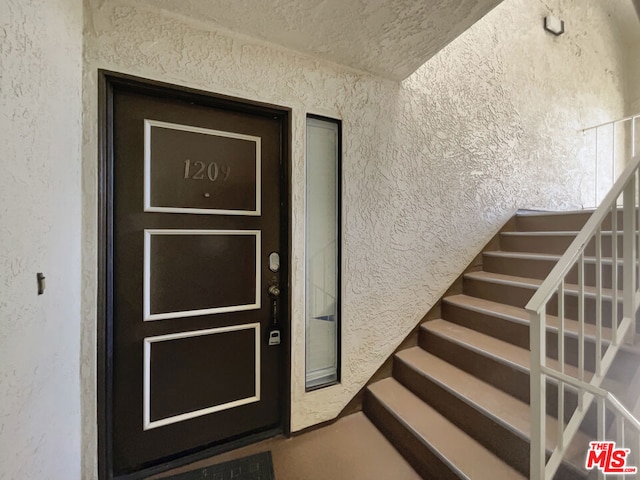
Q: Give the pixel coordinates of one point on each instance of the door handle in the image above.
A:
(274, 292)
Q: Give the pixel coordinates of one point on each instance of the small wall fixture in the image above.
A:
(554, 25)
(41, 283)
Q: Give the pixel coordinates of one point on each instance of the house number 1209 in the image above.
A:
(199, 169)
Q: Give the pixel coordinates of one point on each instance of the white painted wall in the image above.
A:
(432, 166)
(40, 142)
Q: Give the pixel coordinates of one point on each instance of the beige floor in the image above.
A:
(350, 449)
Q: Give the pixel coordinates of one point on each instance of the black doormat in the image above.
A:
(253, 467)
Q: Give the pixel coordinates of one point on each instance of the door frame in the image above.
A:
(107, 82)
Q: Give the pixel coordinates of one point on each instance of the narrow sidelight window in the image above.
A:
(322, 251)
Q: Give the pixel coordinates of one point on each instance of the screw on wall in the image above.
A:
(41, 283)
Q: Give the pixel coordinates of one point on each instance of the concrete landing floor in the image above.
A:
(349, 449)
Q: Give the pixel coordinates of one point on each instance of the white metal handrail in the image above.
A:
(606, 144)
(553, 294)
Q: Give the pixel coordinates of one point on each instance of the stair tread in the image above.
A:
(522, 255)
(502, 278)
(551, 213)
(508, 410)
(551, 233)
(543, 256)
(520, 315)
(450, 443)
(534, 283)
(483, 305)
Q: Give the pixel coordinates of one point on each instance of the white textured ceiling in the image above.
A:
(391, 38)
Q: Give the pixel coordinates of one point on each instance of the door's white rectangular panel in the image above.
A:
(148, 424)
(148, 272)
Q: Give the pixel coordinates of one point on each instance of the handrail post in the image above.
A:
(595, 204)
(629, 252)
(538, 396)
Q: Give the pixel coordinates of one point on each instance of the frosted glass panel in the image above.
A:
(322, 256)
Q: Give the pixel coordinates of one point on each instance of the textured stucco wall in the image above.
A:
(633, 78)
(40, 228)
(632, 92)
(432, 166)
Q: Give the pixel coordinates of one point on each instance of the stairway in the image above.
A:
(457, 405)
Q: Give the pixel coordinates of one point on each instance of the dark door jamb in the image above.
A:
(107, 81)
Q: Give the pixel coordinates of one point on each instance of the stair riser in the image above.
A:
(508, 294)
(508, 378)
(555, 244)
(548, 244)
(488, 369)
(516, 333)
(419, 456)
(622, 369)
(537, 223)
(519, 296)
(513, 332)
(540, 269)
(571, 309)
(493, 326)
(546, 223)
(493, 435)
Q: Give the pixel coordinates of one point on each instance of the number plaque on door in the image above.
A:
(198, 170)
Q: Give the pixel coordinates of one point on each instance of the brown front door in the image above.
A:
(197, 229)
